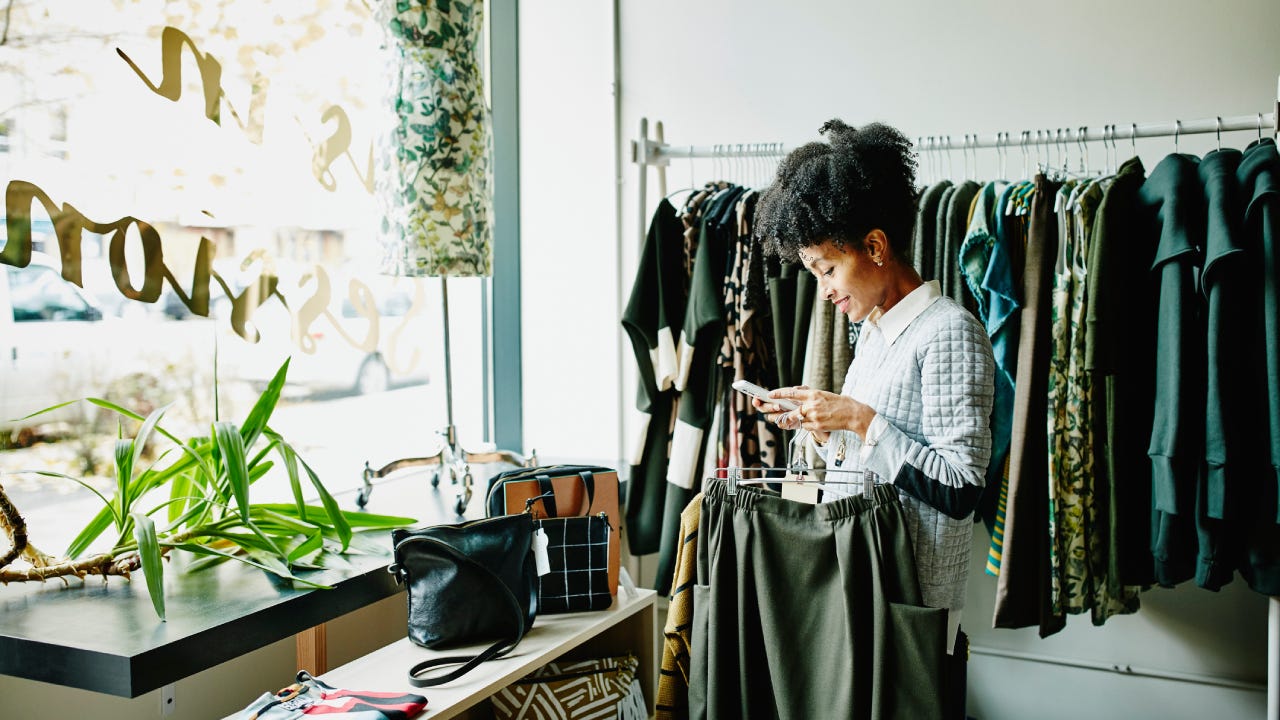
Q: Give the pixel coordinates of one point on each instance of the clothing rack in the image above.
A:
(657, 153)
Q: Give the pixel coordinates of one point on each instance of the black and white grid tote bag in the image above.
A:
(573, 563)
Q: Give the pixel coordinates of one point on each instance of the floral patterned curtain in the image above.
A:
(433, 179)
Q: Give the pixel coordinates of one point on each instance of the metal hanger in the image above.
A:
(1177, 132)
(796, 471)
(1218, 123)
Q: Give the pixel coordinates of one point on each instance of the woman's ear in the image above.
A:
(877, 246)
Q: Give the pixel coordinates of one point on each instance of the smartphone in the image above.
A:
(755, 390)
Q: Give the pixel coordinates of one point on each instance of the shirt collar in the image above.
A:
(899, 317)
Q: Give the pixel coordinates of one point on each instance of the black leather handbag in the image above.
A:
(468, 582)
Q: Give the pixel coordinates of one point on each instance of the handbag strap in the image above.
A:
(496, 650)
(548, 494)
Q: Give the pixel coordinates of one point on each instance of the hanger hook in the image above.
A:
(1177, 132)
(1082, 139)
(1259, 126)
(1218, 124)
(1133, 137)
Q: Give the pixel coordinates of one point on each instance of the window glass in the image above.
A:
(199, 180)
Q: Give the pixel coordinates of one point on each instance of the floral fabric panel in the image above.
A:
(1078, 514)
(433, 179)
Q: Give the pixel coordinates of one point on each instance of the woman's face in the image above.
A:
(847, 277)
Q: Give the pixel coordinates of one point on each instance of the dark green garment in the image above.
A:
(1259, 175)
(940, 236)
(656, 306)
(924, 238)
(1120, 357)
(955, 225)
(1023, 595)
(1173, 204)
(841, 634)
(1234, 453)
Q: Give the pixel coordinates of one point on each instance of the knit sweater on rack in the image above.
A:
(929, 374)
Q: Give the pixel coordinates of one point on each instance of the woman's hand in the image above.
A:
(820, 412)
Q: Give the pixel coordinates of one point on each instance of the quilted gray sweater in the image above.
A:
(931, 387)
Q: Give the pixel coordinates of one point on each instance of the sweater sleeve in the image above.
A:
(946, 470)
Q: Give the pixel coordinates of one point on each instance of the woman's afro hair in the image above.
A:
(840, 190)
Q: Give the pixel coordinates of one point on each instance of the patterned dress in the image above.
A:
(433, 175)
(1078, 514)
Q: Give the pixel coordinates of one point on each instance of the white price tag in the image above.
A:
(540, 558)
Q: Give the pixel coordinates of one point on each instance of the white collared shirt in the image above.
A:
(899, 317)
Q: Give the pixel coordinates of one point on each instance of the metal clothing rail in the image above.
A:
(657, 153)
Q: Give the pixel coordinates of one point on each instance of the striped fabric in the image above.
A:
(602, 689)
(996, 552)
(673, 681)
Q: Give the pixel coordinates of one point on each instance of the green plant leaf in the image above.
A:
(105, 502)
(336, 516)
(51, 408)
(100, 522)
(266, 516)
(124, 476)
(144, 433)
(314, 542)
(198, 454)
(355, 518)
(205, 550)
(205, 562)
(290, 460)
(144, 531)
(256, 420)
(180, 496)
(231, 447)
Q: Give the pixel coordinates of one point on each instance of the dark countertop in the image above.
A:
(106, 637)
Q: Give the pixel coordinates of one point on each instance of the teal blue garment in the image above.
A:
(975, 251)
(1230, 299)
(1259, 175)
(1003, 285)
(1173, 202)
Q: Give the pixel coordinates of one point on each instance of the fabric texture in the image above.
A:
(1259, 177)
(433, 177)
(652, 320)
(577, 553)
(1022, 590)
(924, 235)
(600, 689)
(1173, 201)
(1120, 357)
(310, 697)
(861, 646)
(673, 678)
(954, 229)
(1002, 283)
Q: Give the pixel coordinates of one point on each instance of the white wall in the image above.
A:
(568, 231)
(757, 71)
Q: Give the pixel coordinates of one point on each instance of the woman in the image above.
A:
(916, 403)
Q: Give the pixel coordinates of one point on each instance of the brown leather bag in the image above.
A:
(577, 490)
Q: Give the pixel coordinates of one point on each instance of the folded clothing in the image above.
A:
(310, 697)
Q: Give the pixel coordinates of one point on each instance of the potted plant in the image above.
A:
(196, 498)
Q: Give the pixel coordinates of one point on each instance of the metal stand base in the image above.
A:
(452, 459)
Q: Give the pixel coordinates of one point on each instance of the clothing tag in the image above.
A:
(626, 583)
(540, 558)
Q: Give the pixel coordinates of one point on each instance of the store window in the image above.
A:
(170, 148)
